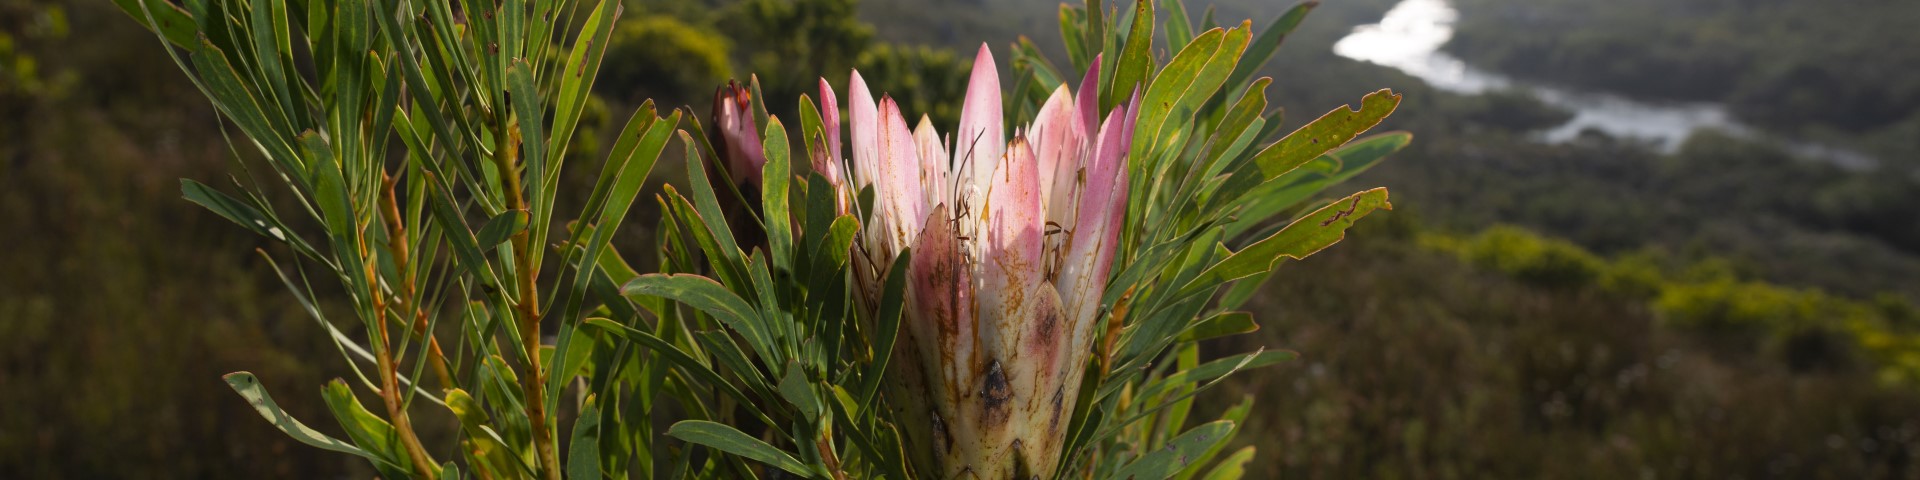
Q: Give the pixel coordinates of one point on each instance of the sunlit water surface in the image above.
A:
(1408, 38)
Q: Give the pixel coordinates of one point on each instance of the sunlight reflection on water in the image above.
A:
(1408, 38)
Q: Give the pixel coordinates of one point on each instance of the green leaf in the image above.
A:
(1328, 132)
(1136, 59)
(726, 252)
(1211, 371)
(1223, 324)
(674, 355)
(1238, 129)
(1233, 467)
(1193, 76)
(171, 22)
(1303, 237)
(1179, 29)
(488, 445)
(501, 228)
(1162, 463)
(241, 213)
(466, 249)
(527, 107)
(795, 389)
(1073, 35)
(367, 430)
(708, 296)
(892, 301)
(1284, 193)
(727, 439)
(583, 453)
(249, 388)
(579, 71)
(775, 176)
(1238, 415)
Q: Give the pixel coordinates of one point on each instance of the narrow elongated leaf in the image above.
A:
(1162, 463)
(367, 430)
(1179, 28)
(892, 301)
(583, 453)
(727, 439)
(240, 212)
(1136, 59)
(1303, 237)
(171, 22)
(502, 227)
(1224, 324)
(708, 296)
(249, 388)
(1284, 193)
(1233, 467)
(577, 74)
(775, 176)
(1323, 135)
(1073, 34)
(795, 389)
(1210, 371)
(677, 357)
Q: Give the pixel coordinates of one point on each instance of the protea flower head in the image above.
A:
(1012, 242)
(736, 140)
(734, 134)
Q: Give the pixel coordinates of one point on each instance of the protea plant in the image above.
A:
(919, 305)
(1012, 242)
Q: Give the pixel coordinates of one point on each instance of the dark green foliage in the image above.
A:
(923, 79)
(1468, 374)
(791, 44)
(663, 57)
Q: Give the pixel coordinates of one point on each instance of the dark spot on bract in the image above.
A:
(1059, 396)
(942, 441)
(995, 394)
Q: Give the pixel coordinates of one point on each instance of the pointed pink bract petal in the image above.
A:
(980, 141)
(865, 123)
(933, 162)
(1089, 95)
(830, 118)
(830, 165)
(899, 199)
(1010, 262)
(1060, 145)
(739, 143)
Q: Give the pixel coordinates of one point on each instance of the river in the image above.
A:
(1408, 38)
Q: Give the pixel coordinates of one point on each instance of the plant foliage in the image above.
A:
(411, 153)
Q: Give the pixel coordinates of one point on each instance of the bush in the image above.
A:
(665, 59)
(1533, 259)
(922, 79)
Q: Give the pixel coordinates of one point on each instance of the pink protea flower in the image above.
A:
(1012, 244)
(735, 137)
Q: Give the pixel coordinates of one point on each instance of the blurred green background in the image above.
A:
(1738, 303)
